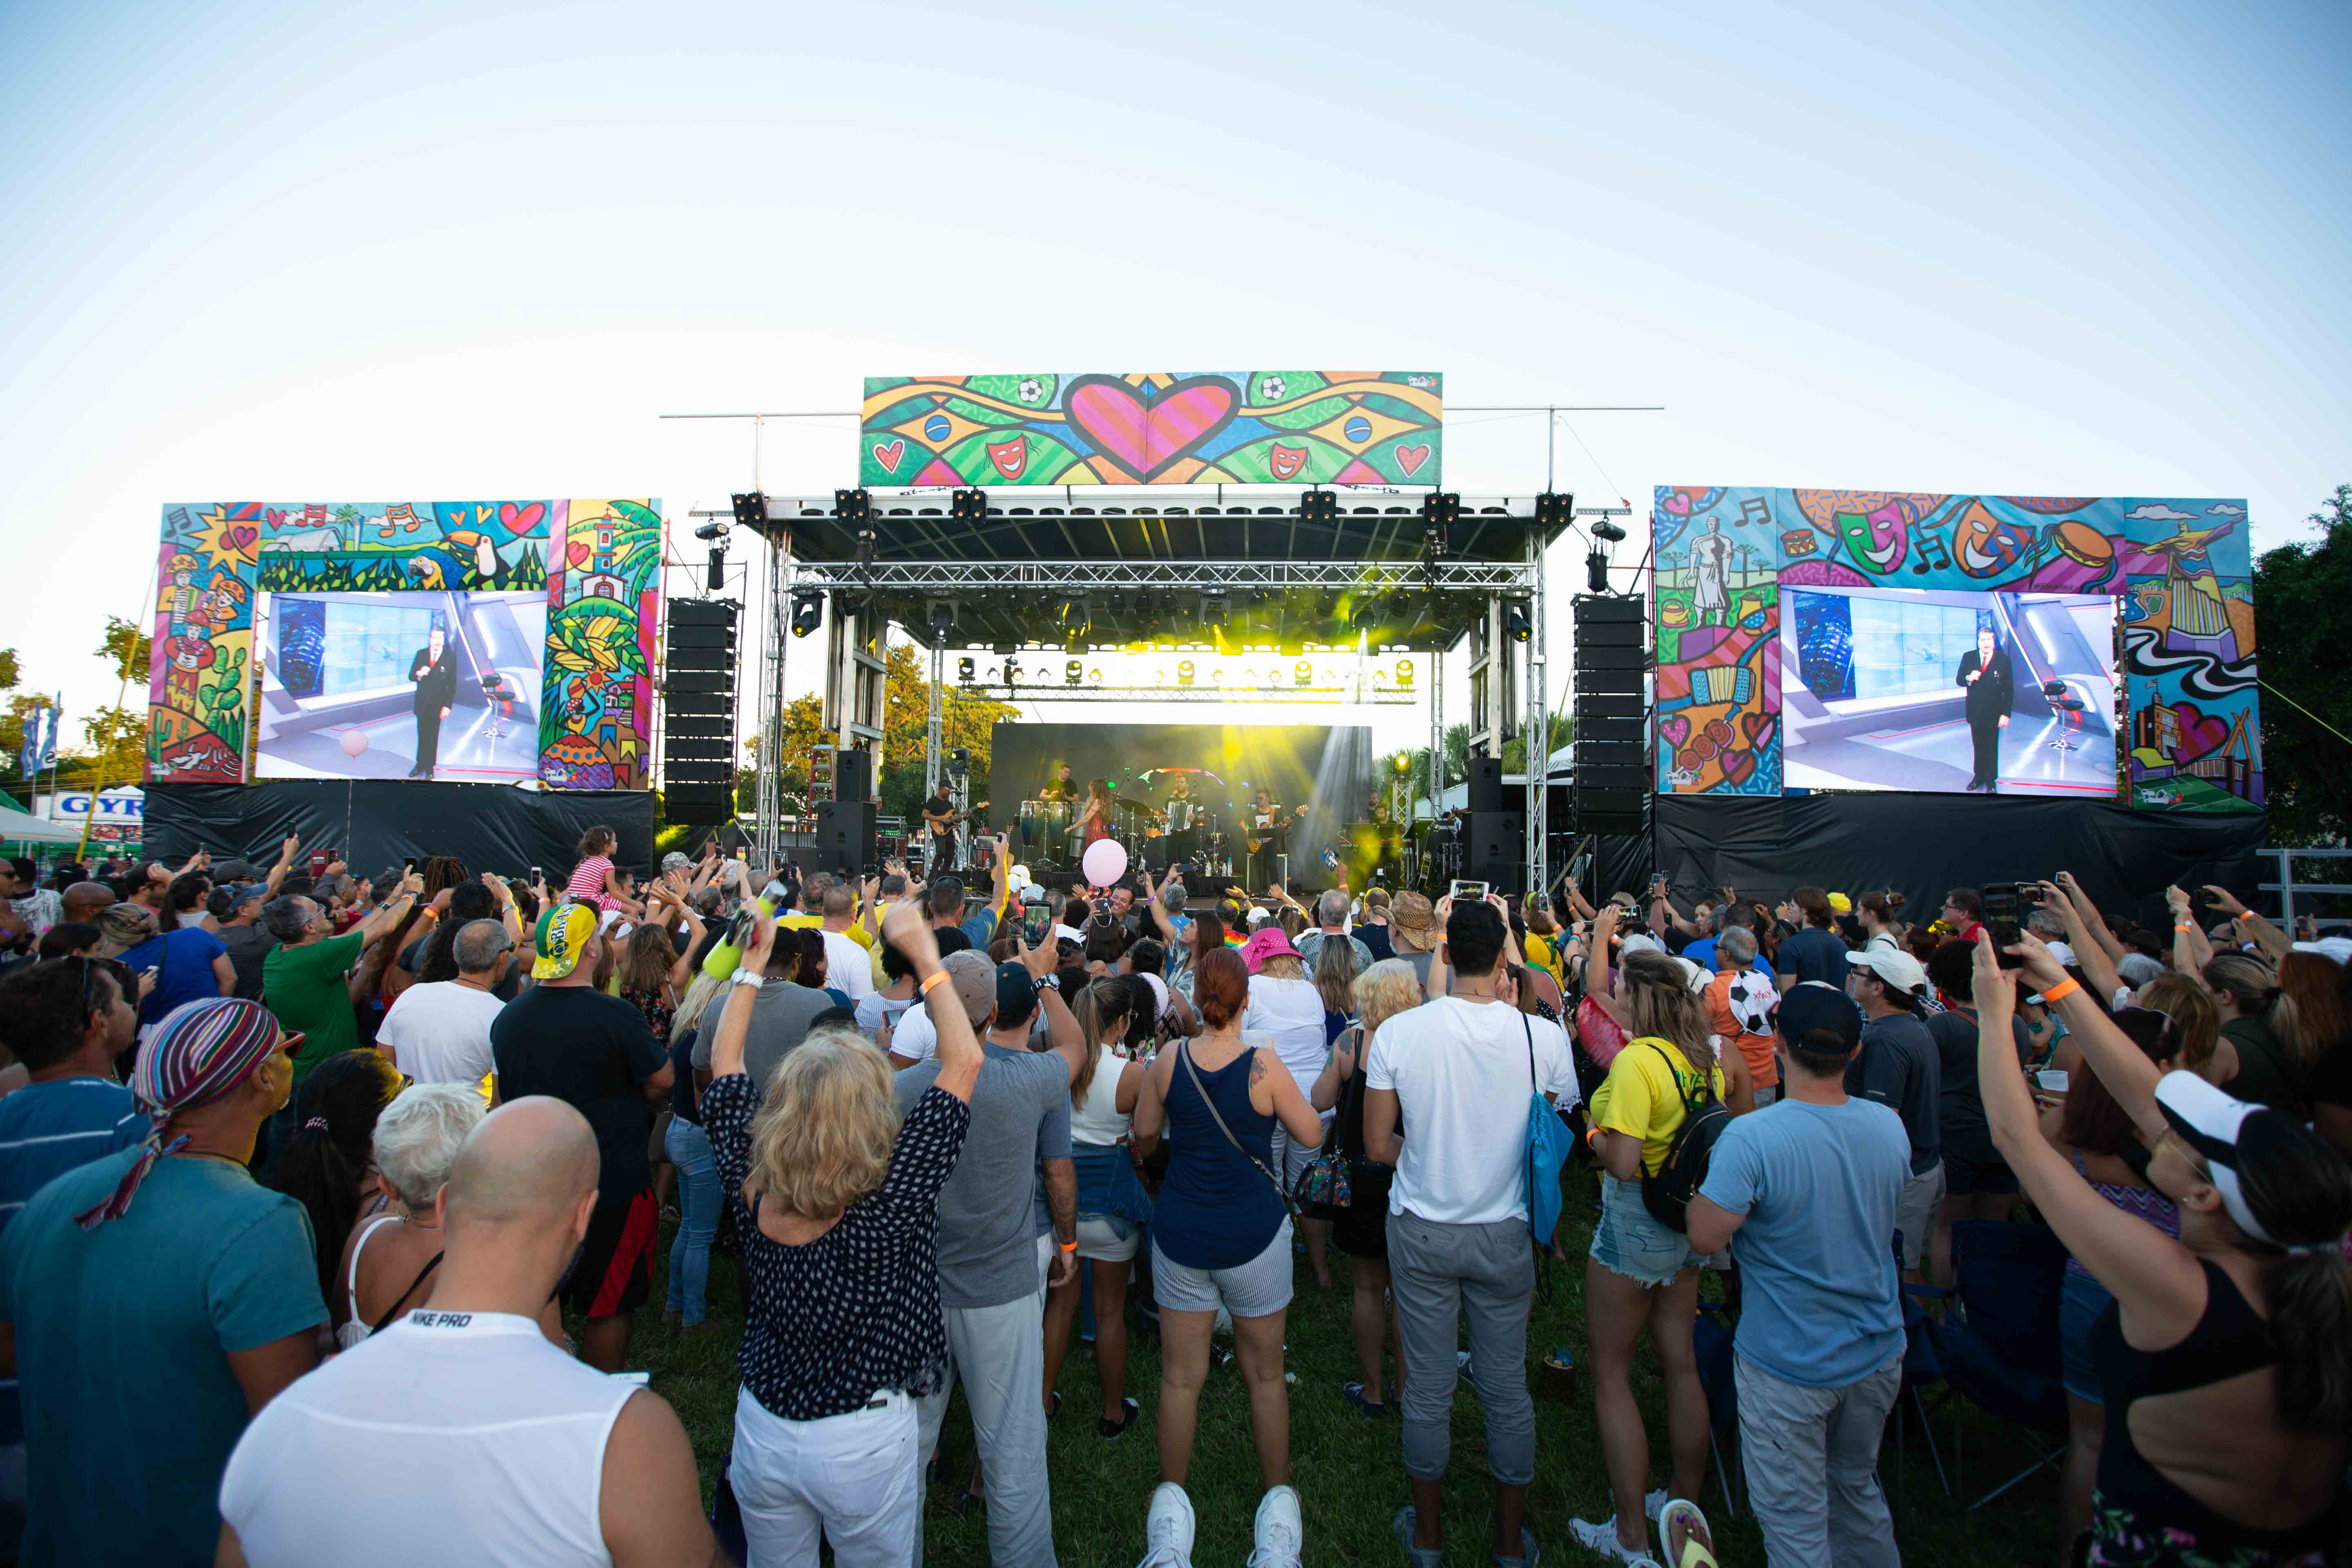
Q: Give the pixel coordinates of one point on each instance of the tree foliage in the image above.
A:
(2303, 606)
(125, 646)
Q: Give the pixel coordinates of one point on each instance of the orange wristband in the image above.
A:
(2060, 992)
(940, 978)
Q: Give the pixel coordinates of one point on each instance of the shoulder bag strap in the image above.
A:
(393, 1311)
(1184, 1055)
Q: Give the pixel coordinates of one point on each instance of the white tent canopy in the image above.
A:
(15, 824)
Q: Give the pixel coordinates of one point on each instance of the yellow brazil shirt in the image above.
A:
(1642, 1096)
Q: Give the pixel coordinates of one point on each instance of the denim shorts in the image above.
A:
(2079, 1306)
(1257, 1289)
(1628, 1241)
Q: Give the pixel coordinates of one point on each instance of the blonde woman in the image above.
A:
(837, 1206)
(1641, 1274)
(1380, 992)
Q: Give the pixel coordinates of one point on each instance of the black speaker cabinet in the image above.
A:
(1495, 850)
(852, 777)
(1485, 784)
(844, 834)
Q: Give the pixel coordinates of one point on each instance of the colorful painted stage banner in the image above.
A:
(1849, 620)
(1199, 428)
(597, 562)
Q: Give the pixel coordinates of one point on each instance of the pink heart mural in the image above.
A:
(1411, 458)
(2201, 733)
(520, 521)
(1674, 731)
(243, 539)
(1147, 438)
(889, 454)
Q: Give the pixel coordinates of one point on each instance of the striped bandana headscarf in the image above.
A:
(201, 1051)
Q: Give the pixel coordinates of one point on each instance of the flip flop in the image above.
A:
(1697, 1550)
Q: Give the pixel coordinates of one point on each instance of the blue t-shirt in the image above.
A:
(184, 960)
(1815, 953)
(1818, 1183)
(46, 1129)
(1702, 953)
(123, 1342)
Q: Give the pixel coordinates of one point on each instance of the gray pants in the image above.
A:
(1000, 1353)
(1811, 1456)
(1441, 1274)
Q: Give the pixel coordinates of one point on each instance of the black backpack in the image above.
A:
(1667, 1194)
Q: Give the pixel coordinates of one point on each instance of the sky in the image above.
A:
(327, 252)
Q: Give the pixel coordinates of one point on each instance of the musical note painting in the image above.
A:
(1837, 639)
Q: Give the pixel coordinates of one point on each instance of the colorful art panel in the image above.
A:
(1264, 426)
(597, 562)
(2181, 570)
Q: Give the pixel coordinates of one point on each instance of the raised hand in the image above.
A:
(2224, 901)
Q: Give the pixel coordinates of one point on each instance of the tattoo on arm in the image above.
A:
(1257, 1068)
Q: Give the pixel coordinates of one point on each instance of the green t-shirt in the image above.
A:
(2268, 1073)
(306, 988)
(122, 1340)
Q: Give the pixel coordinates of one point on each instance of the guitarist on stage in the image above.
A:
(940, 818)
(1267, 836)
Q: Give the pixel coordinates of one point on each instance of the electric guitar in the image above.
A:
(1256, 843)
(944, 827)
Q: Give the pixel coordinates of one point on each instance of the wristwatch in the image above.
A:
(1040, 983)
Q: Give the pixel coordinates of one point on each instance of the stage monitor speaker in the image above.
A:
(845, 835)
(1485, 784)
(853, 777)
(1495, 850)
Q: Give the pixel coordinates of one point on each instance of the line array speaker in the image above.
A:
(1612, 780)
(699, 711)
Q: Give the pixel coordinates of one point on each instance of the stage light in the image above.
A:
(1608, 533)
(1404, 765)
(968, 506)
(942, 614)
(1073, 672)
(1249, 675)
(1302, 673)
(995, 674)
(1073, 618)
(960, 761)
(1212, 607)
(1216, 675)
(1515, 620)
(1094, 678)
(1320, 506)
(1159, 675)
(1184, 672)
(965, 668)
(1555, 510)
(808, 613)
(1012, 672)
(751, 510)
(1404, 674)
(853, 506)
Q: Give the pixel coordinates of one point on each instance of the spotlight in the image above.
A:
(1302, 672)
(941, 613)
(1184, 672)
(1012, 672)
(808, 613)
(1249, 675)
(1320, 506)
(1159, 675)
(1073, 672)
(853, 506)
(960, 761)
(1094, 678)
(714, 528)
(1216, 675)
(1073, 618)
(1212, 607)
(1608, 533)
(1515, 620)
(968, 506)
(1404, 765)
(751, 510)
(965, 669)
(995, 675)
(1404, 674)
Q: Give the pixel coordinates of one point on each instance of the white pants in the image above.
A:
(852, 1478)
(998, 1353)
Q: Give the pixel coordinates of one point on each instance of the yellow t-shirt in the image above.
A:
(816, 923)
(1541, 954)
(1643, 1095)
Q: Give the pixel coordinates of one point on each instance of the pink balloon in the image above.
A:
(1105, 862)
(354, 743)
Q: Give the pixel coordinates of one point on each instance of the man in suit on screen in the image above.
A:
(1986, 675)
(435, 670)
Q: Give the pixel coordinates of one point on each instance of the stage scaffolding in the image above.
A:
(902, 557)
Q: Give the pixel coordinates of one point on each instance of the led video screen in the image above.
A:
(440, 686)
(1948, 691)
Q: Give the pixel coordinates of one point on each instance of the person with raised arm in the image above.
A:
(837, 1200)
(2223, 1362)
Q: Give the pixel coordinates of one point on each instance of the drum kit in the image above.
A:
(1050, 838)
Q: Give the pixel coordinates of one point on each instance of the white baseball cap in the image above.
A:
(1893, 967)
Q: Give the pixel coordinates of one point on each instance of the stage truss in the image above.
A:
(1453, 587)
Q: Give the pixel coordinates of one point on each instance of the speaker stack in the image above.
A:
(1612, 784)
(698, 712)
(846, 822)
(1495, 840)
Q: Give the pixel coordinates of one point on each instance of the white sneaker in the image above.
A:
(1167, 1529)
(1278, 1529)
(1653, 1502)
(1602, 1538)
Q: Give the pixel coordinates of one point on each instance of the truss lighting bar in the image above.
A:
(1077, 577)
(1287, 696)
(1104, 500)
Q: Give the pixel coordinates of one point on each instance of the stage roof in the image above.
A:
(1148, 565)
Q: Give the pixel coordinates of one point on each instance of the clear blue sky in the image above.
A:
(306, 252)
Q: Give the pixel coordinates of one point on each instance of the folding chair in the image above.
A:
(1711, 1340)
(2002, 1353)
(1922, 1366)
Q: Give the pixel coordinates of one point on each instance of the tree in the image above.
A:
(1563, 727)
(2303, 606)
(118, 737)
(126, 646)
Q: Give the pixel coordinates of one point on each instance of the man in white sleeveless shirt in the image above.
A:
(459, 1434)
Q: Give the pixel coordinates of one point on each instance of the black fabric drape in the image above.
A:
(1924, 844)
(376, 823)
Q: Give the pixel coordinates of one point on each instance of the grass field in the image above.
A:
(1349, 1471)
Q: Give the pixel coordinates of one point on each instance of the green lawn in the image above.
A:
(1349, 1471)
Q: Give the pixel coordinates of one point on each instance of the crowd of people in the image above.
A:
(328, 1203)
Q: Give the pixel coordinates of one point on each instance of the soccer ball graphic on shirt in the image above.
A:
(1754, 999)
